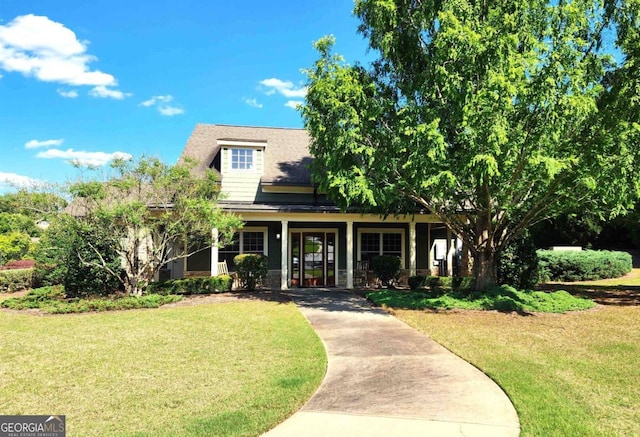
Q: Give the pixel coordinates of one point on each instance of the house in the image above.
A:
(265, 179)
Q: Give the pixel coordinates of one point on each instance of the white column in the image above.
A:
(412, 249)
(284, 257)
(214, 252)
(450, 250)
(349, 255)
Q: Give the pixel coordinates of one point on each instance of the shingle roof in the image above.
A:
(286, 153)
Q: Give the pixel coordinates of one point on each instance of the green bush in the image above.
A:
(15, 280)
(437, 283)
(252, 270)
(504, 298)
(14, 245)
(67, 255)
(586, 265)
(53, 300)
(386, 267)
(208, 285)
(518, 263)
(417, 282)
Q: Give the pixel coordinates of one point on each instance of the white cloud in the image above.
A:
(160, 102)
(286, 88)
(36, 46)
(253, 103)
(170, 111)
(16, 180)
(72, 94)
(95, 159)
(104, 92)
(35, 144)
(293, 104)
(155, 99)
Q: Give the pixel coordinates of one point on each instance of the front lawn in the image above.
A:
(571, 374)
(235, 368)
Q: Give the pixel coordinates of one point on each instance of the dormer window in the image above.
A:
(242, 156)
(242, 159)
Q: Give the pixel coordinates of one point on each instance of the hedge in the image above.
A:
(435, 283)
(208, 285)
(252, 270)
(15, 280)
(585, 265)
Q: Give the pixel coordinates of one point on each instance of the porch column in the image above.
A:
(450, 250)
(284, 257)
(214, 252)
(349, 255)
(412, 249)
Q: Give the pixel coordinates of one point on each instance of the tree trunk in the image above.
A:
(485, 267)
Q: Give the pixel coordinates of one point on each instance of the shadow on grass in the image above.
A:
(622, 295)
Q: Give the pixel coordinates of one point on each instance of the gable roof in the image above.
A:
(286, 157)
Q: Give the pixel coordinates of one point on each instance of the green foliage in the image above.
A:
(15, 280)
(491, 116)
(252, 269)
(585, 265)
(14, 246)
(439, 284)
(36, 205)
(53, 300)
(156, 213)
(386, 268)
(80, 257)
(18, 223)
(504, 298)
(518, 263)
(209, 285)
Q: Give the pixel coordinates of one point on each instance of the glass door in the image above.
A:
(313, 247)
(313, 259)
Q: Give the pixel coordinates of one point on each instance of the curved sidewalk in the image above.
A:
(387, 379)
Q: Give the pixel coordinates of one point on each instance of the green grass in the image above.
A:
(504, 298)
(571, 374)
(225, 369)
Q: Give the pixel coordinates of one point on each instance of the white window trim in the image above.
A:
(255, 147)
(382, 231)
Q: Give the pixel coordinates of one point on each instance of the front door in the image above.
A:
(313, 259)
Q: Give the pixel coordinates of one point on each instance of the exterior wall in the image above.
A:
(241, 185)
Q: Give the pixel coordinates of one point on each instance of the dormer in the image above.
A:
(238, 157)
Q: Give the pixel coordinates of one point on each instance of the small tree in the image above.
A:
(155, 214)
(14, 246)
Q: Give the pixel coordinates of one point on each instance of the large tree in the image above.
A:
(155, 213)
(492, 115)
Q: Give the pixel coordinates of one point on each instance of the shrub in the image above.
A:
(14, 245)
(208, 285)
(53, 300)
(518, 263)
(252, 270)
(15, 280)
(416, 282)
(385, 267)
(67, 255)
(436, 283)
(586, 265)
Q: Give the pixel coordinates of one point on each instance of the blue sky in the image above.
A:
(92, 80)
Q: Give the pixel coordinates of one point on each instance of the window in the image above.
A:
(242, 159)
(245, 241)
(380, 242)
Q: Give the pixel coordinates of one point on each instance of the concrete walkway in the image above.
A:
(387, 379)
